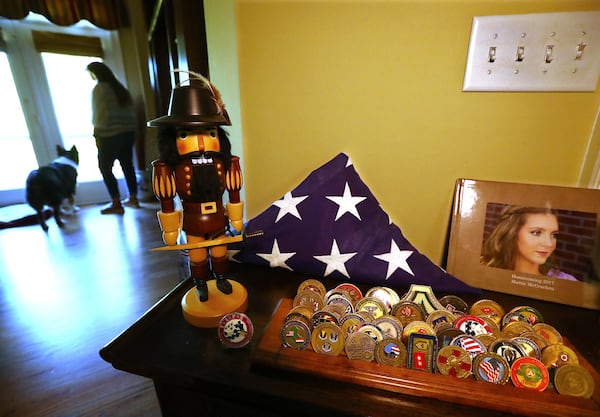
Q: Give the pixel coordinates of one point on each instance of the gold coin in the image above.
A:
(310, 299)
(495, 327)
(391, 352)
(372, 305)
(557, 355)
(344, 304)
(371, 330)
(548, 332)
(571, 379)
(390, 326)
(366, 315)
(454, 361)
(323, 316)
(531, 315)
(350, 323)
(300, 311)
(491, 367)
(487, 308)
(454, 304)
(334, 293)
(354, 292)
(486, 338)
(536, 338)
(439, 317)
(419, 327)
(360, 346)
(515, 329)
(328, 339)
(313, 285)
(295, 334)
(407, 311)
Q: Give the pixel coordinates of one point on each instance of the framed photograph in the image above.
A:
(536, 241)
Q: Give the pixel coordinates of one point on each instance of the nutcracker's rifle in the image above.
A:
(208, 243)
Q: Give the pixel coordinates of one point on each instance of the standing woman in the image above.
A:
(114, 120)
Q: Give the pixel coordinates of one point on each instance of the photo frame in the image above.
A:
(570, 274)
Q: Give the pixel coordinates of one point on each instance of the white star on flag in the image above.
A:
(396, 258)
(311, 215)
(335, 260)
(347, 203)
(287, 205)
(276, 258)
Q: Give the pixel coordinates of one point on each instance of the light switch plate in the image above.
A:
(534, 52)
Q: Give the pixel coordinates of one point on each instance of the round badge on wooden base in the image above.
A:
(208, 313)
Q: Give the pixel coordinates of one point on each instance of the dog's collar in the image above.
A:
(66, 161)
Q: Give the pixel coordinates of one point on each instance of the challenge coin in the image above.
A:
(571, 379)
(235, 330)
(323, 316)
(373, 305)
(531, 315)
(390, 326)
(487, 339)
(391, 352)
(536, 338)
(407, 311)
(386, 295)
(445, 336)
(469, 343)
(354, 292)
(371, 330)
(312, 285)
(360, 346)
(491, 367)
(295, 334)
(454, 304)
(424, 296)
(344, 302)
(529, 347)
(515, 329)
(299, 312)
(439, 317)
(557, 355)
(328, 339)
(454, 361)
(472, 325)
(548, 332)
(418, 327)
(350, 323)
(310, 299)
(421, 352)
(509, 350)
(527, 372)
(487, 308)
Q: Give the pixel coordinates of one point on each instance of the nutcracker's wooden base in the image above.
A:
(208, 313)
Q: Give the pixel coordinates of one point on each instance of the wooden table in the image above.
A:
(195, 376)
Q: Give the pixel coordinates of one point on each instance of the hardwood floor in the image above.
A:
(63, 296)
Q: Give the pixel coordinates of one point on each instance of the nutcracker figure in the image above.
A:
(196, 165)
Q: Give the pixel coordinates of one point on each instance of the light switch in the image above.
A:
(534, 52)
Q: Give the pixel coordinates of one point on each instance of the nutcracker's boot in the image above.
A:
(200, 273)
(220, 268)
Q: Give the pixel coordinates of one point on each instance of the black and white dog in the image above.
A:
(52, 184)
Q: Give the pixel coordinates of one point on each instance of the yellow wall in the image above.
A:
(382, 81)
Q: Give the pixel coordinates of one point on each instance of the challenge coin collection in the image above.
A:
(447, 336)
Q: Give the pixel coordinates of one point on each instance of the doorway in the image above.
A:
(47, 101)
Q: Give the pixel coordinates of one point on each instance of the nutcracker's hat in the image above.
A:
(196, 105)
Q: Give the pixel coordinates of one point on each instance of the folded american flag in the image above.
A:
(332, 226)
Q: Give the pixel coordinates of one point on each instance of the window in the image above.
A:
(48, 90)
